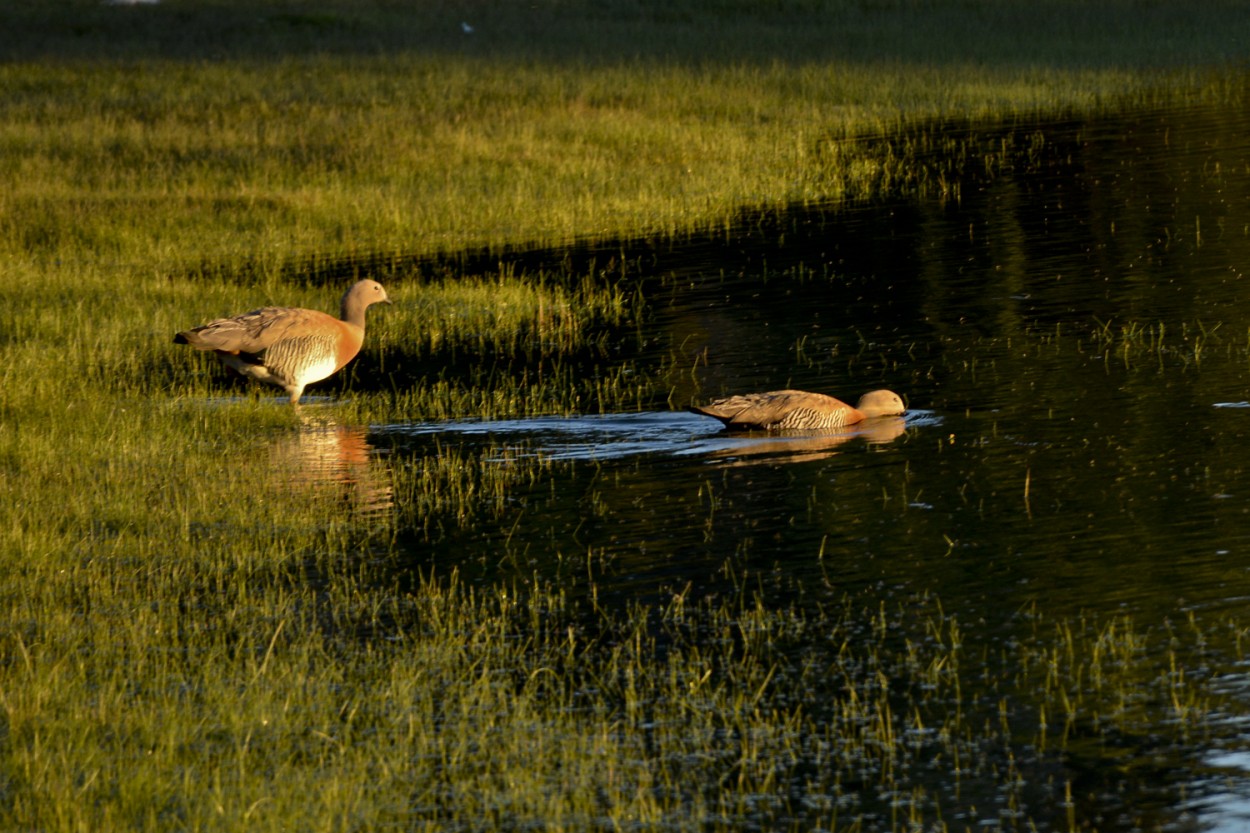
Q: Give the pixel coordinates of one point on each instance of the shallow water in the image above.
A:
(1071, 335)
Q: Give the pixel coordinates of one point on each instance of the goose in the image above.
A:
(287, 346)
(798, 410)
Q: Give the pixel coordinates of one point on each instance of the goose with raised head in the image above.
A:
(799, 410)
(289, 347)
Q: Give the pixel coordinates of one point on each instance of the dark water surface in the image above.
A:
(1072, 334)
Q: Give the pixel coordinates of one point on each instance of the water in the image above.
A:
(1071, 335)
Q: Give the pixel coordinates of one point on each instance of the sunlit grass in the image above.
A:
(504, 137)
(510, 314)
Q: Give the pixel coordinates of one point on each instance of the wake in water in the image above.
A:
(673, 434)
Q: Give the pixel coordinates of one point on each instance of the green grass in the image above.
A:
(447, 707)
(198, 633)
(331, 137)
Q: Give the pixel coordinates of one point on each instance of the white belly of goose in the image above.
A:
(302, 360)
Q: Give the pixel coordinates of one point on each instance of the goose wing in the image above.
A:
(765, 409)
(256, 331)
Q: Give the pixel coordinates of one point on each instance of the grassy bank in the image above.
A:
(153, 136)
(197, 633)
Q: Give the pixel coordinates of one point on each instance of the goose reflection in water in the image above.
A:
(795, 446)
(335, 461)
